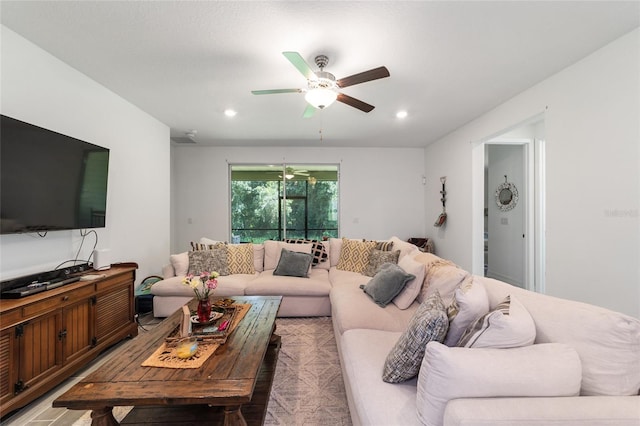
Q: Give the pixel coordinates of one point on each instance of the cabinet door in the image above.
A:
(77, 330)
(113, 311)
(8, 365)
(40, 347)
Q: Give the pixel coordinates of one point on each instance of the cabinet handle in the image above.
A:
(65, 298)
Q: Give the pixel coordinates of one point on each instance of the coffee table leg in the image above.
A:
(233, 416)
(103, 417)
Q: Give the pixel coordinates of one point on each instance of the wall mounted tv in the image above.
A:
(49, 181)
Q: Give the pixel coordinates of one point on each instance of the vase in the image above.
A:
(204, 310)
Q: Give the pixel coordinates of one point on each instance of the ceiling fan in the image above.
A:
(322, 87)
(290, 173)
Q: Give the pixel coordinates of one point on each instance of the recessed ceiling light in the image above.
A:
(230, 113)
(401, 114)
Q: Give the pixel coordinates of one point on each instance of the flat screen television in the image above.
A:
(49, 181)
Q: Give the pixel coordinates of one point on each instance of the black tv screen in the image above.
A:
(49, 181)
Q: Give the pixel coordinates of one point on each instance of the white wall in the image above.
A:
(42, 90)
(592, 131)
(381, 191)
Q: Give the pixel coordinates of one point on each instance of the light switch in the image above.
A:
(504, 221)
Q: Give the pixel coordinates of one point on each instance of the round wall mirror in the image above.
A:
(506, 196)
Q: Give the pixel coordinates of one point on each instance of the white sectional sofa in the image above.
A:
(569, 363)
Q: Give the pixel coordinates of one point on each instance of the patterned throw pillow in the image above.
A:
(209, 260)
(429, 323)
(240, 259)
(509, 325)
(202, 246)
(378, 257)
(384, 245)
(318, 251)
(354, 255)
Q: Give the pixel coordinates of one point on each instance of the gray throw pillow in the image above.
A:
(387, 283)
(429, 323)
(209, 261)
(293, 264)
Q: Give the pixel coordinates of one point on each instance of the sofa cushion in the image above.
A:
(209, 261)
(293, 264)
(258, 257)
(531, 371)
(378, 258)
(442, 276)
(413, 287)
(372, 401)
(508, 325)
(228, 285)
(273, 249)
(470, 302)
(608, 342)
(387, 283)
(429, 324)
(240, 258)
(354, 255)
(180, 263)
(318, 251)
(405, 247)
(351, 308)
(267, 284)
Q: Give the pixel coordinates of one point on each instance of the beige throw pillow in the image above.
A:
(355, 255)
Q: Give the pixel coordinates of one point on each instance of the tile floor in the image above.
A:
(41, 413)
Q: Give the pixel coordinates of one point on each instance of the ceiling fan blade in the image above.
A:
(300, 64)
(272, 91)
(309, 111)
(356, 103)
(374, 74)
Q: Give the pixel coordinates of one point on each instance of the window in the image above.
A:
(284, 201)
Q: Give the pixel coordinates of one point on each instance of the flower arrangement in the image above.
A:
(202, 284)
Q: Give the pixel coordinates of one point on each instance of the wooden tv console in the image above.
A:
(46, 337)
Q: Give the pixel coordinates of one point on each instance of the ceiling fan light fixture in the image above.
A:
(321, 97)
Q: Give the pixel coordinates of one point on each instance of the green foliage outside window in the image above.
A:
(267, 210)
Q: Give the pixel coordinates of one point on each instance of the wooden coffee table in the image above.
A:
(218, 392)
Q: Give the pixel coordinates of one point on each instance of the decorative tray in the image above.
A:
(215, 331)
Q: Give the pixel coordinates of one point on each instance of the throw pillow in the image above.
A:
(208, 261)
(412, 288)
(180, 263)
(293, 264)
(354, 255)
(378, 258)
(549, 369)
(386, 284)
(206, 246)
(240, 259)
(318, 251)
(470, 302)
(384, 245)
(428, 324)
(509, 325)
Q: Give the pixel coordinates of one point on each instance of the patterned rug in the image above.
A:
(307, 386)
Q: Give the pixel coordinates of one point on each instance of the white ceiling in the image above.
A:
(185, 62)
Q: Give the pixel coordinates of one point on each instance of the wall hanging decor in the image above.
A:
(442, 218)
(506, 195)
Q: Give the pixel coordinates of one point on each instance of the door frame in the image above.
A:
(534, 172)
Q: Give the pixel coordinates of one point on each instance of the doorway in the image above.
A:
(508, 206)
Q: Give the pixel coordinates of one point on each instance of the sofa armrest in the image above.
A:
(168, 271)
(565, 411)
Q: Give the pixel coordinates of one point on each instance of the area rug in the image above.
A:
(307, 386)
